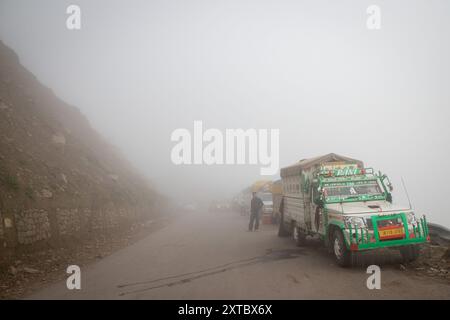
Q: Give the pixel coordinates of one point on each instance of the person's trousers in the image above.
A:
(254, 221)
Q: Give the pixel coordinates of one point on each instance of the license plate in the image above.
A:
(391, 233)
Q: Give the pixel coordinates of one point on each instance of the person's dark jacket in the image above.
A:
(256, 205)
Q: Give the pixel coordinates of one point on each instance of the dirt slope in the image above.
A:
(50, 156)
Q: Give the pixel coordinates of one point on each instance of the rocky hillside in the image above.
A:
(58, 176)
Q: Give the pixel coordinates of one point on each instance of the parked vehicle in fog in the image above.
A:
(348, 206)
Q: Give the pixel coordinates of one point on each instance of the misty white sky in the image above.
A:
(140, 69)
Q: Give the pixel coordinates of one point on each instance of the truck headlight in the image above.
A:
(357, 222)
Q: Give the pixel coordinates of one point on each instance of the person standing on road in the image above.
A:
(255, 206)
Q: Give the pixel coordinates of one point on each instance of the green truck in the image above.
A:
(349, 207)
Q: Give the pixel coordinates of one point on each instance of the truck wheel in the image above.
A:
(299, 236)
(409, 253)
(340, 251)
(282, 230)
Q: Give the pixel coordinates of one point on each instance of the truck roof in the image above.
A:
(305, 164)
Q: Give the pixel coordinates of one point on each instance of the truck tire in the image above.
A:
(282, 230)
(299, 236)
(409, 253)
(341, 254)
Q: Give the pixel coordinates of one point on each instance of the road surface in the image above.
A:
(205, 255)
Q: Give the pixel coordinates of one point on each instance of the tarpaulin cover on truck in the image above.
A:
(315, 162)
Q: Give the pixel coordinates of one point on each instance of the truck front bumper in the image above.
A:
(363, 239)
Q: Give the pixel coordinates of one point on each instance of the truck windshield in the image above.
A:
(344, 191)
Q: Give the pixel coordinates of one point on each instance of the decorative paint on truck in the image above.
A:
(348, 206)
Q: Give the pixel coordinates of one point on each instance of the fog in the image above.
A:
(139, 70)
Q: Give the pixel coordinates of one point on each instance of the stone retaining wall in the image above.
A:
(2, 233)
(69, 221)
(33, 225)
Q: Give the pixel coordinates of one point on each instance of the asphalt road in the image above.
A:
(205, 255)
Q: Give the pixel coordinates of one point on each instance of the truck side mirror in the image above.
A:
(318, 199)
(389, 197)
(319, 202)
